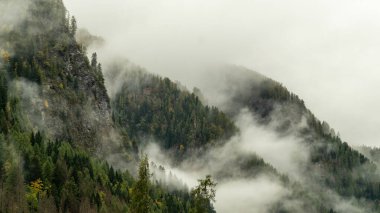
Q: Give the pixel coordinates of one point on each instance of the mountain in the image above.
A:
(145, 105)
(148, 105)
(69, 145)
(331, 163)
(66, 91)
(56, 124)
(154, 109)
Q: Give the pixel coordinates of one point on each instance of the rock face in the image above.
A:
(78, 103)
(70, 101)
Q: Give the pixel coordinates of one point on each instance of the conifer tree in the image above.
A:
(141, 201)
(73, 26)
(203, 195)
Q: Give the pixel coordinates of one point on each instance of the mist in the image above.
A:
(324, 51)
(12, 13)
(237, 191)
(249, 195)
(283, 149)
(32, 104)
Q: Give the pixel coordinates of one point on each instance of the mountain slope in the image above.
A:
(68, 94)
(56, 118)
(56, 122)
(153, 109)
(148, 105)
(331, 162)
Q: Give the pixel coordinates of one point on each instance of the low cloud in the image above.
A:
(257, 194)
(247, 196)
(325, 51)
(262, 192)
(116, 76)
(12, 12)
(87, 40)
(285, 153)
(32, 106)
(236, 190)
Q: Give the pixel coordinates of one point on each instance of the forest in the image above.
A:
(69, 145)
(44, 171)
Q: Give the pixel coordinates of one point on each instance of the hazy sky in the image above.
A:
(325, 51)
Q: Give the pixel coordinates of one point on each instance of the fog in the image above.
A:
(238, 193)
(321, 50)
(325, 51)
(8, 11)
(284, 153)
(32, 103)
(9, 19)
(249, 195)
(296, 45)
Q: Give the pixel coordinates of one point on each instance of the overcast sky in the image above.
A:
(327, 52)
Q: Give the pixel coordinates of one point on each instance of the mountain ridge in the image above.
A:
(62, 136)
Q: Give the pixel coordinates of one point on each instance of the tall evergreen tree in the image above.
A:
(94, 61)
(203, 195)
(73, 26)
(3, 90)
(141, 201)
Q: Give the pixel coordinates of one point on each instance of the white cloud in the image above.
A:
(325, 51)
(248, 196)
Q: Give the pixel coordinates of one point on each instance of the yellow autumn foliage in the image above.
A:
(5, 56)
(36, 190)
(36, 186)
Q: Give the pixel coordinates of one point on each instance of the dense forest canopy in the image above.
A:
(148, 104)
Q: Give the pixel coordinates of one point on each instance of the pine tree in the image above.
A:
(203, 195)
(141, 201)
(94, 61)
(73, 26)
(3, 91)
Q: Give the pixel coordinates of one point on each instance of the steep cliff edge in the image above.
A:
(66, 91)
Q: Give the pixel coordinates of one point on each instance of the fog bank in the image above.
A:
(324, 51)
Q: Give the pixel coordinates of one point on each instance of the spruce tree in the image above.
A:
(141, 201)
(203, 195)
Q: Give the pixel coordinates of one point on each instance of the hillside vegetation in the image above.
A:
(55, 119)
(67, 146)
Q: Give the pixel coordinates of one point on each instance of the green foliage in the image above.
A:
(45, 52)
(3, 102)
(3, 91)
(373, 153)
(34, 40)
(335, 164)
(203, 195)
(39, 174)
(141, 201)
(73, 26)
(150, 105)
(60, 177)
